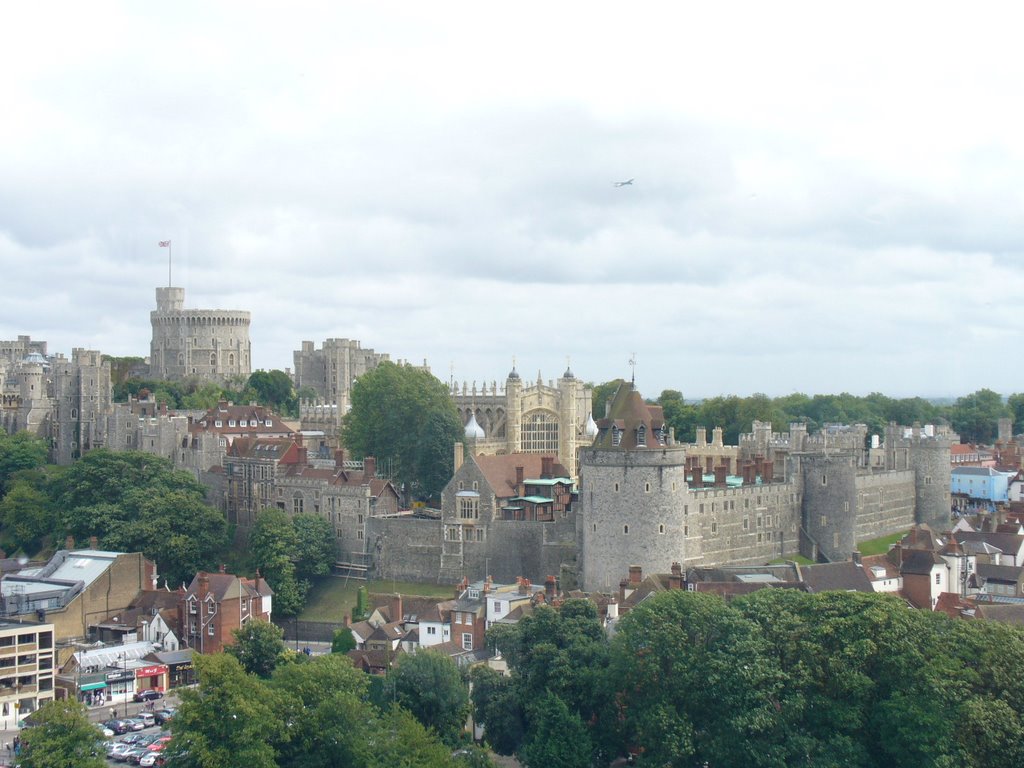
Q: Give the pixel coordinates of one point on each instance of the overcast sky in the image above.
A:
(825, 200)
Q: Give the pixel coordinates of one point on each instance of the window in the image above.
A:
(297, 503)
(746, 523)
(714, 528)
(218, 423)
(938, 578)
(359, 534)
(540, 433)
(467, 641)
(431, 630)
(625, 530)
(661, 527)
(824, 479)
(641, 436)
(461, 485)
(616, 436)
(253, 423)
(824, 521)
(209, 629)
(479, 534)
(469, 507)
(476, 486)
(647, 487)
(616, 487)
(191, 606)
(231, 422)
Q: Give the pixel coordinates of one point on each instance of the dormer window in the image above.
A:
(616, 436)
(218, 423)
(191, 605)
(253, 423)
(641, 436)
(231, 422)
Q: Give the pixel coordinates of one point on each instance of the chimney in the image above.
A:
(460, 455)
(702, 436)
(203, 586)
(855, 555)
(697, 478)
(546, 463)
(549, 590)
(767, 472)
(369, 467)
(339, 459)
(222, 569)
(636, 574)
(93, 542)
(720, 475)
(163, 409)
(69, 543)
(519, 481)
(622, 590)
(395, 606)
(301, 450)
(675, 581)
(613, 610)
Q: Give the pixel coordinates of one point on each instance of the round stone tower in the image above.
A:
(207, 344)
(931, 461)
(632, 491)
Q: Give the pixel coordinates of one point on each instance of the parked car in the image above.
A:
(150, 694)
(117, 726)
(135, 723)
(118, 748)
(163, 715)
(151, 759)
(147, 717)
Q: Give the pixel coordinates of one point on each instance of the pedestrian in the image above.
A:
(113, 713)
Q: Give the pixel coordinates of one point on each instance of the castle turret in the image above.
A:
(829, 506)
(630, 490)
(931, 461)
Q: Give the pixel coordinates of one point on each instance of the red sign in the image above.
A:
(150, 671)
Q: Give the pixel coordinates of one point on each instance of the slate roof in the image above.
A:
(626, 414)
(1007, 543)
(845, 576)
(919, 561)
(1006, 574)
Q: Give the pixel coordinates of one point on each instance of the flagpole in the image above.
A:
(169, 250)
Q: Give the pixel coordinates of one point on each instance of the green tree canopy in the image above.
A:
(430, 686)
(258, 647)
(273, 548)
(405, 417)
(316, 546)
(274, 389)
(62, 737)
(18, 452)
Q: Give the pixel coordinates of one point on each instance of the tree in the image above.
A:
(430, 686)
(26, 516)
(975, 417)
(62, 737)
(496, 706)
(231, 719)
(18, 452)
(274, 389)
(258, 647)
(602, 393)
(557, 738)
(343, 641)
(316, 546)
(273, 546)
(405, 416)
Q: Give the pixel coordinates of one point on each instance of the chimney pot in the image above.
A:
(636, 574)
(369, 467)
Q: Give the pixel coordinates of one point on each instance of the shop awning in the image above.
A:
(92, 686)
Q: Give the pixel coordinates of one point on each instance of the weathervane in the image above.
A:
(632, 364)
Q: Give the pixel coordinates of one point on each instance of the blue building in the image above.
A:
(981, 483)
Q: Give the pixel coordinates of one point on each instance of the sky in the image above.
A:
(827, 197)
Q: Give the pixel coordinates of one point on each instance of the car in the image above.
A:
(117, 726)
(163, 715)
(147, 717)
(132, 756)
(108, 733)
(151, 758)
(135, 723)
(118, 748)
(150, 694)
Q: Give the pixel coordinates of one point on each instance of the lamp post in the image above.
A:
(124, 658)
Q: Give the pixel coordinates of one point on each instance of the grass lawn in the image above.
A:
(799, 559)
(333, 598)
(880, 546)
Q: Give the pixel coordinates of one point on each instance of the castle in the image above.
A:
(552, 419)
(205, 344)
(646, 500)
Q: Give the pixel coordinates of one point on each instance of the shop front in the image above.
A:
(153, 676)
(120, 684)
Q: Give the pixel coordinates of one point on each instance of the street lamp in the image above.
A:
(124, 680)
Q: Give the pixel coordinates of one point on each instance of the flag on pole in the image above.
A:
(164, 244)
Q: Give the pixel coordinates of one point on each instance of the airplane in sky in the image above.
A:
(628, 183)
